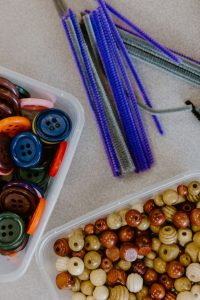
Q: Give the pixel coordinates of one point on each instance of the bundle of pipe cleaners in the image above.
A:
(103, 55)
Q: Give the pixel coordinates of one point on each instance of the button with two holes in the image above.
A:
(12, 231)
(52, 125)
(26, 150)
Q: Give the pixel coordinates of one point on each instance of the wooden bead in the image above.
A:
(119, 293)
(193, 272)
(166, 281)
(92, 260)
(124, 265)
(159, 265)
(85, 275)
(133, 218)
(78, 296)
(122, 214)
(175, 269)
(76, 242)
(90, 298)
(157, 217)
(126, 234)
(182, 284)
(114, 221)
(79, 254)
(158, 200)
(134, 282)
(195, 217)
(185, 296)
(181, 219)
(168, 235)
(196, 291)
(89, 229)
(144, 245)
(182, 190)
(98, 277)
(64, 280)
(132, 297)
(169, 212)
(106, 264)
(156, 243)
(194, 191)
(101, 225)
(145, 224)
(128, 252)
(116, 276)
(184, 236)
(113, 253)
(101, 293)
(143, 293)
(151, 255)
(77, 285)
(196, 238)
(169, 252)
(170, 197)
(87, 288)
(108, 239)
(170, 296)
(138, 206)
(148, 262)
(61, 247)
(149, 206)
(150, 276)
(62, 264)
(192, 250)
(185, 259)
(92, 243)
(157, 291)
(139, 267)
(75, 266)
(187, 207)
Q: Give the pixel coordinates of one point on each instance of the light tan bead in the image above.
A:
(75, 266)
(194, 191)
(159, 265)
(168, 235)
(198, 204)
(181, 199)
(196, 291)
(101, 293)
(122, 214)
(77, 285)
(193, 272)
(193, 250)
(195, 228)
(119, 293)
(169, 212)
(151, 255)
(78, 296)
(92, 243)
(124, 265)
(76, 240)
(185, 296)
(182, 284)
(196, 238)
(155, 229)
(170, 197)
(132, 297)
(139, 207)
(90, 298)
(87, 288)
(62, 264)
(134, 282)
(114, 221)
(184, 236)
(158, 200)
(145, 223)
(148, 262)
(92, 260)
(98, 277)
(156, 243)
(169, 252)
(85, 275)
(143, 293)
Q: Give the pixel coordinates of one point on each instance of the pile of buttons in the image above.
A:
(33, 142)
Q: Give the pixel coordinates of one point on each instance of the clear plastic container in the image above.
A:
(45, 255)
(11, 268)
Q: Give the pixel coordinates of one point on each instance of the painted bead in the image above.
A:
(194, 191)
(158, 200)
(157, 217)
(170, 296)
(134, 282)
(77, 285)
(98, 277)
(150, 276)
(78, 296)
(181, 219)
(185, 296)
(184, 236)
(106, 264)
(113, 253)
(116, 276)
(122, 214)
(159, 265)
(175, 269)
(195, 217)
(100, 226)
(168, 235)
(128, 252)
(92, 260)
(185, 259)
(170, 197)
(62, 264)
(193, 272)
(156, 243)
(144, 245)
(119, 293)
(124, 265)
(76, 242)
(61, 247)
(196, 238)
(79, 254)
(75, 266)
(182, 284)
(92, 243)
(145, 224)
(87, 288)
(157, 291)
(182, 190)
(85, 275)
(169, 252)
(166, 281)
(187, 206)
(108, 239)
(126, 234)
(169, 212)
(133, 218)
(64, 280)
(196, 291)
(101, 293)
(89, 229)
(139, 267)
(149, 206)
(192, 250)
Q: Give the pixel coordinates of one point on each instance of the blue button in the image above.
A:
(26, 150)
(52, 125)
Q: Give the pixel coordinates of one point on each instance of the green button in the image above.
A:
(35, 175)
(12, 231)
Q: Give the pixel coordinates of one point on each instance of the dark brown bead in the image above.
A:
(139, 267)
(150, 276)
(89, 229)
(149, 206)
(175, 269)
(181, 219)
(144, 245)
(101, 225)
(64, 280)
(126, 234)
(182, 190)
(166, 281)
(106, 264)
(195, 217)
(187, 207)
(157, 291)
(113, 253)
(108, 239)
(139, 233)
(116, 277)
(79, 254)
(133, 218)
(61, 247)
(157, 217)
(170, 296)
(128, 252)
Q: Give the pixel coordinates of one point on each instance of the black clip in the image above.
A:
(194, 110)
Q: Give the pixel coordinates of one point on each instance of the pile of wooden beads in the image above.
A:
(145, 252)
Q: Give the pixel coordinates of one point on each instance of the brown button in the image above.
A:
(6, 164)
(18, 200)
(7, 84)
(10, 100)
(18, 249)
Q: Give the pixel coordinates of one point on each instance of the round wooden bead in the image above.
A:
(149, 206)
(159, 265)
(156, 243)
(77, 285)
(196, 291)
(113, 253)
(98, 277)
(89, 229)
(182, 284)
(79, 254)
(108, 239)
(158, 200)
(139, 267)
(92, 260)
(106, 264)
(157, 291)
(76, 242)
(133, 218)
(157, 217)
(151, 255)
(182, 190)
(61, 247)
(184, 236)
(119, 293)
(126, 234)
(122, 214)
(185, 296)
(170, 296)
(175, 269)
(187, 207)
(114, 221)
(170, 197)
(166, 281)
(101, 293)
(92, 243)
(87, 288)
(101, 225)
(169, 252)
(143, 293)
(181, 219)
(62, 264)
(75, 266)
(145, 224)
(134, 282)
(195, 217)
(128, 252)
(144, 245)
(132, 297)
(148, 262)
(193, 272)
(64, 280)
(138, 206)
(194, 191)
(185, 259)
(150, 276)
(124, 265)
(85, 275)
(196, 238)
(192, 250)
(168, 235)
(169, 212)
(78, 296)
(116, 276)
(90, 298)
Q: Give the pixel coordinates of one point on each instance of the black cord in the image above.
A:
(194, 110)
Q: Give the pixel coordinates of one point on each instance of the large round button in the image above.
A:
(18, 200)
(26, 150)
(6, 164)
(14, 125)
(36, 175)
(22, 184)
(12, 231)
(8, 85)
(35, 105)
(52, 125)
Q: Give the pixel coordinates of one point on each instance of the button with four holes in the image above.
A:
(52, 125)
(12, 231)
(26, 150)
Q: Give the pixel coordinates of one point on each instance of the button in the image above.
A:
(52, 125)
(18, 200)
(26, 150)
(18, 249)
(12, 231)
(56, 164)
(6, 164)
(9, 99)
(14, 125)
(23, 185)
(7, 84)
(35, 105)
(34, 222)
(22, 92)
(36, 175)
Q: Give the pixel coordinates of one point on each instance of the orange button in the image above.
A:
(14, 125)
(34, 222)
